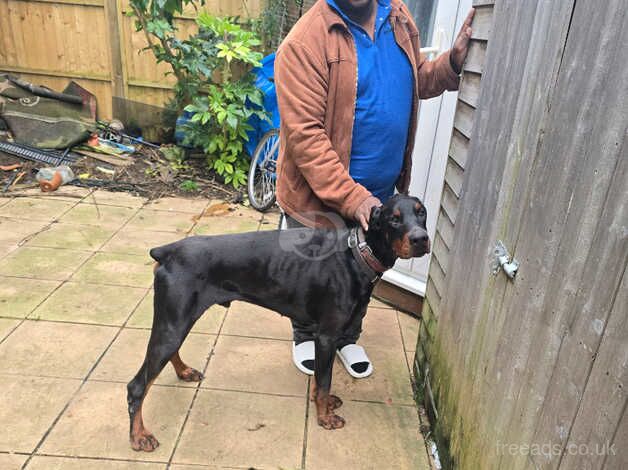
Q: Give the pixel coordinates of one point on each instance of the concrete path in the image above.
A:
(75, 316)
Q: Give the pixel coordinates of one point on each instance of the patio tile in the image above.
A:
(36, 209)
(147, 219)
(13, 231)
(4, 199)
(178, 204)
(76, 237)
(209, 323)
(64, 193)
(389, 383)
(19, 296)
(410, 358)
(138, 242)
(42, 263)
(12, 461)
(28, 406)
(392, 440)
(96, 424)
(40, 462)
(243, 430)
(113, 198)
(376, 303)
(118, 269)
(409, 330)
(254, 365)
(6, 326)
(90, 303)
(380, 329)
(110, 217)
(231, 223)
(126, 354)
(246, 319)
(53, 349)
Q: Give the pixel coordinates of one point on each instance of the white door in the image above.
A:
(438, 21)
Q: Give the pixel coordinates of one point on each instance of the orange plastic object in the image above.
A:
(52, 185)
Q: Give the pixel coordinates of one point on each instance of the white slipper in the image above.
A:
(352, 354)
(303, 352)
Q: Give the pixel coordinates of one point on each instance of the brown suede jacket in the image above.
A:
(316, 80)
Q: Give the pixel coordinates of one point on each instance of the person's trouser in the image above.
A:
(305, 332)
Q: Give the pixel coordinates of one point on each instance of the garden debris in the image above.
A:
(100, 145)
(15, 166)
(220, 208)
(113, 132)
(49, 157)
(13, 180)
(42, 118)
(119, 160)
(51, 178)
(106, 171)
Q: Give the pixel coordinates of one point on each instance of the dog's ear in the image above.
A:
(375, 219)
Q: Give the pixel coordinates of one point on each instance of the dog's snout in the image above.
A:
(418, 238)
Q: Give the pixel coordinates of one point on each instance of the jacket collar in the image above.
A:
(332, 17)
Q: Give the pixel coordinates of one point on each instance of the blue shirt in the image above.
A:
(382, 107)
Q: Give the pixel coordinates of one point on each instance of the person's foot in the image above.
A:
(355, 360)
(303, 356)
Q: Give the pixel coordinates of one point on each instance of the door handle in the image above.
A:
(501, 259)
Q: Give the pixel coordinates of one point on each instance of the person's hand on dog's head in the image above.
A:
(363, 212)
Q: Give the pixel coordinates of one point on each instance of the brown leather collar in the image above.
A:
(363, 254)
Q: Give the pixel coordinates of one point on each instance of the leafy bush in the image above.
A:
(214, 82)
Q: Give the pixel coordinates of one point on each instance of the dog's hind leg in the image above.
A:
(185, 372)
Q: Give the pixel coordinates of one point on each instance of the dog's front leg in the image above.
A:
(325, 351)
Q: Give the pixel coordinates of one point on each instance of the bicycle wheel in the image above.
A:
(262, 174)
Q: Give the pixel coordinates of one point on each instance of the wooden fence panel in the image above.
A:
(50, 42)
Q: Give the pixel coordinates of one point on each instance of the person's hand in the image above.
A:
(461, 44)
(363, 212)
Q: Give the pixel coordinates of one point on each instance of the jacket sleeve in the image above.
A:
(301, 79)
(436, 76)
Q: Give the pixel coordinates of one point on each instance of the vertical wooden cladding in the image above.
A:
(538, 159)
(52, 41)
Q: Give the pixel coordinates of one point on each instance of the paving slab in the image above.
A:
(76, 237)
(117, 269)
(12, 461)
(66, 192)
(234, 429)
(126, 354)
(376, 303)
(45, 210)
(178, 204)
(209, 322)
(96, 424)
(389, 383)
(111, 198)
(28, 407)
(231, 223)
(14, 231)
(409, 330)
(110, 217)
(375, 437)
(90, 303)
(54, 349)
(20, 296)
(380, 328)
(138, 241)
(42, 263)
(7, 325)
(246, 319)
(254, 365)
(160, 221)
(40, 462)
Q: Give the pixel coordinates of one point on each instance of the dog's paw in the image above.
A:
(331, 421)
(334, 402)
(191, 375)
(144, 442)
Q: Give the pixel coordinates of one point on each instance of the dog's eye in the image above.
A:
(421, 212)
(395, 220)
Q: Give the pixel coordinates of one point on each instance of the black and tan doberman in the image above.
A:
(319, 277)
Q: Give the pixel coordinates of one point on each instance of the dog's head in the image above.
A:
(401, 224)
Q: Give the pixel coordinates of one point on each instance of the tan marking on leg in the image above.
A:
(141, 438)
(185, 372)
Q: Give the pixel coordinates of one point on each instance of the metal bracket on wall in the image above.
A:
(501, 259)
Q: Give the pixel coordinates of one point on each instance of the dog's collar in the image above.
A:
(363, 254)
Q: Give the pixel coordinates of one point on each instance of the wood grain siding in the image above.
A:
(475, 57)
(539, 160)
